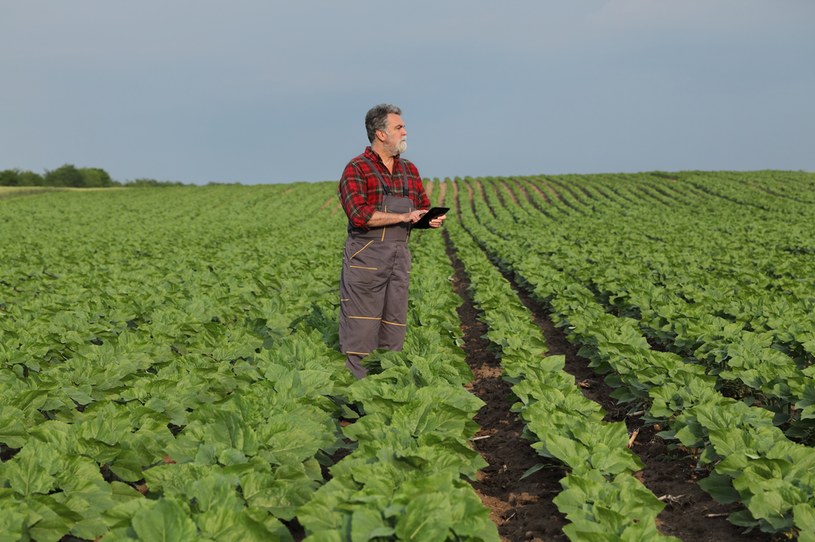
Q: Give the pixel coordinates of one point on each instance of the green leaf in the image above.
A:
(56, 518)
(426, 518)
(128, 503)
(691, 435)
(56, 433)
(368, 524)
(742, 518)
(106, 424)
(532, 470)
(280, 493)
(32, 470)
(127, 466)
(227, 524)
(80, 395)
(12, 430)
(165, 521)
(90, 528)
(216, 491)
(12, 524)
(804, 520)
(720, 487)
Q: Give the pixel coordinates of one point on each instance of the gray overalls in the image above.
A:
(374, 284)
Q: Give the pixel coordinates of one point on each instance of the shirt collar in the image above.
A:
(369, 152)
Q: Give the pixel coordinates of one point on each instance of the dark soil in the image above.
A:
(522, 508)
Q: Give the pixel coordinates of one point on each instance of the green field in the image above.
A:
(169, 364)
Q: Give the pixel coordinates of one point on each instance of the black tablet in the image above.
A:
(424, 222)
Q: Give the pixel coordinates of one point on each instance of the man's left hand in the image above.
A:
(437, 222)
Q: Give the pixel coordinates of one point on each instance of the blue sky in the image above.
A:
(259, 91)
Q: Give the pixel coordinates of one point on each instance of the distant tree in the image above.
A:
(9, 177)
(94, 177)
(66, 175)
(29, 178)
(15, 177)
(69, 175)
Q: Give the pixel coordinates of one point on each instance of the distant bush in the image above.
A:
(94, 177)
(69, 175)
(15, 177)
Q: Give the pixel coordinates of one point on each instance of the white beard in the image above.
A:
(401, 146)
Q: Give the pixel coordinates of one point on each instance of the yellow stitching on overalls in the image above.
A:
(361, 267)
(358, 353)
(384, 206)
(365, 317)
(393, 323)
(354, 255)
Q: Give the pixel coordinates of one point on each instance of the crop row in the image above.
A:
(752, 460)
(407, 476)
(600, 497)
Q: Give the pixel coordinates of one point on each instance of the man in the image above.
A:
(383, 195)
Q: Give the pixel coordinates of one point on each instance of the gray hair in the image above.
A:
(377, 119)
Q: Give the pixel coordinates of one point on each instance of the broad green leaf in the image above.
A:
(804, 520)
(165, 521)
(426, 518)
(720, 487)
(369, 524)
(106, 424)
(127, 465)
(215, 491)
(128, 503)
(13, 432)
(231, 525)
(12, 524)
(56, 519)
(33, 470)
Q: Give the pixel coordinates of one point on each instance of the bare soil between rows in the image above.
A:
(522, 507)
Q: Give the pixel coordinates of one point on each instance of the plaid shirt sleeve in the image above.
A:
(358, 196)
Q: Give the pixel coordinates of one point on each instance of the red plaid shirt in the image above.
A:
(361, 193)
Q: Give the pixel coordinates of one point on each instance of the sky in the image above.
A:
(266, 91)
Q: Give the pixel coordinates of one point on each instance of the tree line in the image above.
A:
(69, 175)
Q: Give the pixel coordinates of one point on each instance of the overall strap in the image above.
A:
(404, 177)
(385, 186)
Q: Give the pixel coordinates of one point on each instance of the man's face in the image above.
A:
(395, 135)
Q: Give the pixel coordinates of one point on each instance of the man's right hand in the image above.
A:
(414, 216)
